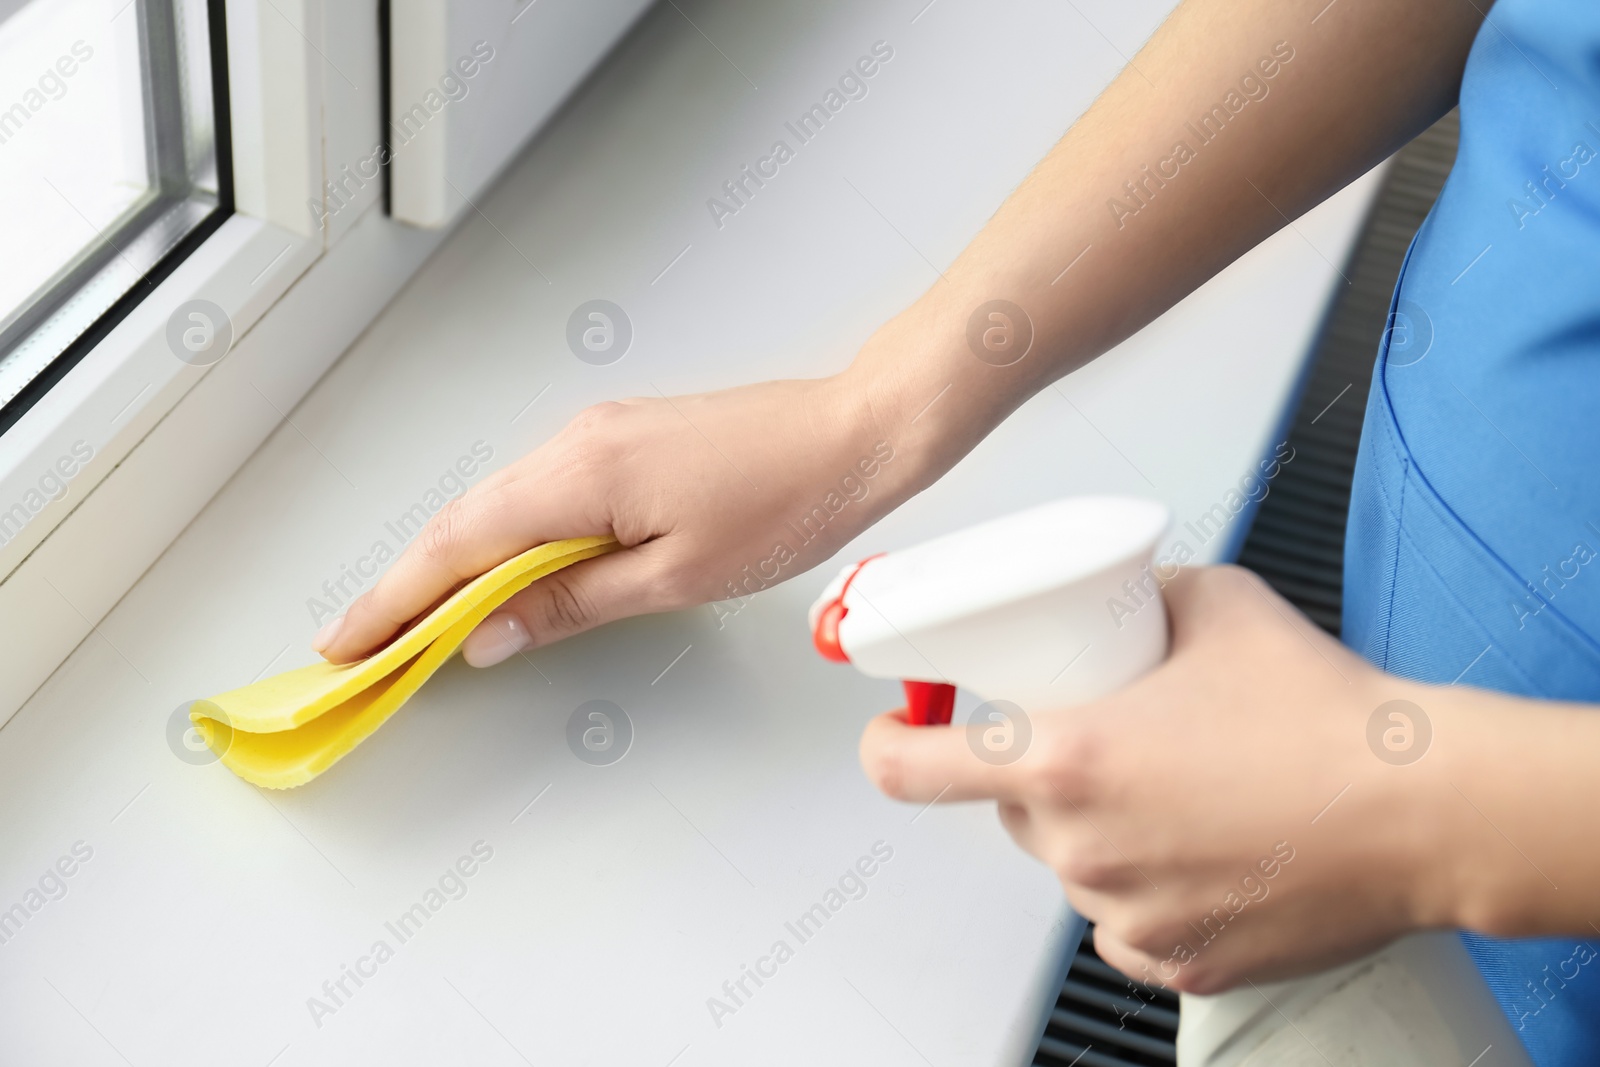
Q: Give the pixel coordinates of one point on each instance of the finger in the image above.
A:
(467, 537)
(1019, 823)
(1191, 604)
(1039, 836)
(1203, 601)
(1140, 966)
(926, 763)
(577, 598)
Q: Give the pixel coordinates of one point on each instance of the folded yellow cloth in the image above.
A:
(285, 730)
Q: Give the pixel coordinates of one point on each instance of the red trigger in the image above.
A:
(929, 703)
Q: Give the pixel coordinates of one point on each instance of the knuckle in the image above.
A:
(886, 768)
(383, 602)
(583, 459)
(1067, 771)
(587, 448)
(449, 528)
(364, 606)
(1495, 918)
(1090, 867)
(1147, 934)
(1085, 904)
(598, 418)
(565, 608)
(1014, 817)
(1201, 977)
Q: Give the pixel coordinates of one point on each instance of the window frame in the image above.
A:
(163, 113)
(148, 438)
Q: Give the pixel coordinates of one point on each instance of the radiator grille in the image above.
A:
(1297, 540)
(1101, 1019)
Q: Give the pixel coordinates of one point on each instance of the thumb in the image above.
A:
(929, 763)
(635, 581)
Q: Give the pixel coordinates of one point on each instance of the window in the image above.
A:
(113, 166)
(153, 160)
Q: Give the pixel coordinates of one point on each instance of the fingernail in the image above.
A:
(497, 638)
(325, 636)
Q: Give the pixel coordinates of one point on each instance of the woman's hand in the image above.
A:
(1225, 817)
(715, 496)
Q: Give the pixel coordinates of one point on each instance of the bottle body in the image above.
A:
(1418, 1000)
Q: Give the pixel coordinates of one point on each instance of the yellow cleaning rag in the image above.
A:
(285, 730)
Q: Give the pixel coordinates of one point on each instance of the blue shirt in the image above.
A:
(1473, 548)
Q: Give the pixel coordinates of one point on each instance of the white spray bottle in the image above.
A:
(1018, 611)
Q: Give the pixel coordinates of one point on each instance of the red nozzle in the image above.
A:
(927, 703)
(826, 634)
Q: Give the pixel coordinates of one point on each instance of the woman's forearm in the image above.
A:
(1507, 805)
(1236, 117)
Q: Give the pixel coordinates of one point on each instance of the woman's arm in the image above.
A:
(1254, 110)
(1162, 183)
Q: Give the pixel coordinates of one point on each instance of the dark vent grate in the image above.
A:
(1297, 544)
(1297, 540)
(1101, 1019)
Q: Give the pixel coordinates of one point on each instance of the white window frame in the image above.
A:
(164, 436)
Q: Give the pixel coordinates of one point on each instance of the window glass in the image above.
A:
(108, 161)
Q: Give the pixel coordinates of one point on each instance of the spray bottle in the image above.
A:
(1060, 605)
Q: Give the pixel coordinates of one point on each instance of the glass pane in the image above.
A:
(73, 137)
(107, 161)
